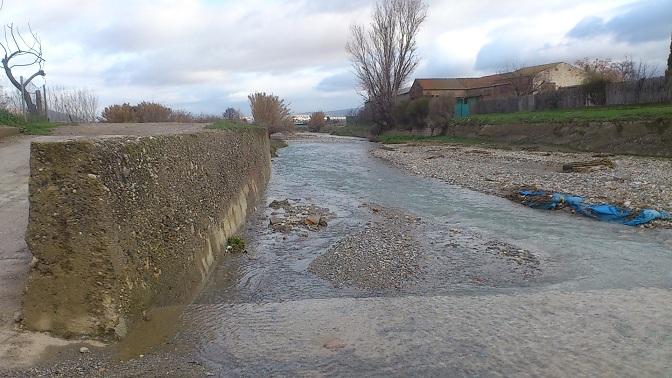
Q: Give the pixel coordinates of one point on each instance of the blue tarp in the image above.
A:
(604, 212)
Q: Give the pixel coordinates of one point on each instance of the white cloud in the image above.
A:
(203, 55)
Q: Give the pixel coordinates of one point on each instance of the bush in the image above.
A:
(401, 114)
(412, 114)
(123, 113)
(417, 112)
(152, 112)
(8, 118)
(317, 121)
(141, 113)
(441, 111)
(271, 112)
(235, 244)
(147, 112)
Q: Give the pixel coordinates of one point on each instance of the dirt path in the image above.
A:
(17, 347)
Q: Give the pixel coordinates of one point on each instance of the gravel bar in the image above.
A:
(384, 255)
(633, 182)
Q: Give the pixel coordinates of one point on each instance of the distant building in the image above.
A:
(404, 94)
(525, 81)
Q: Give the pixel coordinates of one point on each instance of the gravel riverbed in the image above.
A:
(633, 182)
(384, 255)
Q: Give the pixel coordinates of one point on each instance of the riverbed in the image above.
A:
(587, 298)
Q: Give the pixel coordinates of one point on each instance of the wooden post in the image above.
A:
(46, 101)
(38, 101)
(23, 100)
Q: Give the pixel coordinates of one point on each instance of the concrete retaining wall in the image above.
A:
(649, 138)
(120, 225)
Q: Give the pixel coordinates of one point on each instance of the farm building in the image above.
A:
(525, 81)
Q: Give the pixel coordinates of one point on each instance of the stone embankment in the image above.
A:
(630, 181)
(120, 225)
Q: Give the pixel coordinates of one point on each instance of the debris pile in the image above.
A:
(290, 215)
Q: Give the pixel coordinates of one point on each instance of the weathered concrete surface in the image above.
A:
(120, 225)
(648, 138)
(19, 347)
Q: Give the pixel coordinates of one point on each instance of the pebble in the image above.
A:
(84, 350)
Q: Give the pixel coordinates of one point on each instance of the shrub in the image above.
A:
(152, 112)
(317, 121)
(123, 113)
(441, 111)
(271, 112)
(235, 244)
(401, 114)
(417, 112)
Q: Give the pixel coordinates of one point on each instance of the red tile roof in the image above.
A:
(481, 82)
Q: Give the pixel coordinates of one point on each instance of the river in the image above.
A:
(600, 303)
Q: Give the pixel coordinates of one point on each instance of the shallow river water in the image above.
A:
(600, 304)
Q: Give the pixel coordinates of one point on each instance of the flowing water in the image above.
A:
(600, 304)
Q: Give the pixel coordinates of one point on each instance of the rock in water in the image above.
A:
(313, 220)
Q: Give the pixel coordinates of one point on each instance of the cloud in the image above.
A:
(581, 34)
(206, 55)
(343, 81)
(644, 21)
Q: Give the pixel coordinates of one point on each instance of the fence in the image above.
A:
(646, 91)
(29, 104)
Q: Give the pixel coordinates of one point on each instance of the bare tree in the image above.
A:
(385, 55)
(522, 83)
(271, 112)
(77, 105)
(629, 70)
(22, 53)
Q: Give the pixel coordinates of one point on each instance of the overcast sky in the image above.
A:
(206, 55)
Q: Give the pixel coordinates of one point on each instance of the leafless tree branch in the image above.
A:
(21, 53)
(385, 55)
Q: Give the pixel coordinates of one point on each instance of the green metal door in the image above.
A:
(462, 108)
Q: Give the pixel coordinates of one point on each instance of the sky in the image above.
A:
(207, 55)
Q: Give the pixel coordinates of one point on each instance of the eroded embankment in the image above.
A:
(647, 137)
(120, 225)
